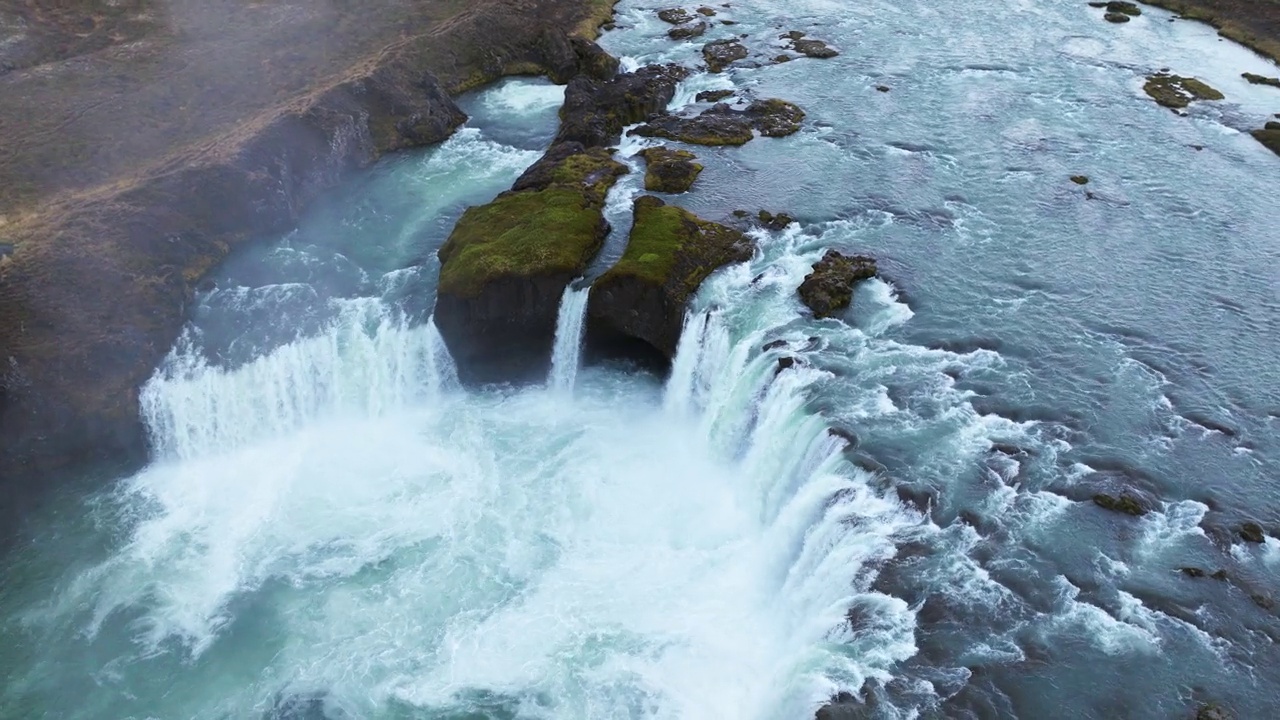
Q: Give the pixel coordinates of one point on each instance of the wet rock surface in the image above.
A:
(722, 124)
(828, 289)
(670, 171)
(637, 307)
(596, 110)
(723, 53)
(1177, 92)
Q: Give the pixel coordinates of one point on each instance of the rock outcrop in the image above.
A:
(99, 264)
(809, 46)
(829, 288)
(1254, 79)
(506, 264)
(723, 125)
(1126, 504)
(1269, 136)
(637, 307)
(723, 53)
(1177, 92)
(670, 171)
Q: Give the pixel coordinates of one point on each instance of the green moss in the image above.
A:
(1255, 79)
(1174, 91)
(672, 248)
(521, 234)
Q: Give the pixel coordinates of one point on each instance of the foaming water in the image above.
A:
(566, 352)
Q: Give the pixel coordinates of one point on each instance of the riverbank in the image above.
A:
(143, 142)
(1252, 23)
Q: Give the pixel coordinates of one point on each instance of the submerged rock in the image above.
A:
(829, 288)
(1193, 572)
(1175, 91)
(723, 125)
(670, 171)
(637, 307)
(595, 111)
(1127, 504)
(1213, 711)
(845, 706)
(1260, 79)
(310, 706)
(723, 53)
(506, 264)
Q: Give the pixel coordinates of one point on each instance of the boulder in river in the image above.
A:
(1116, 18)
(1255, 79)
(723, 53)
(723, 125)
(1176, 92)
(637, 308)
(845, 706)
(675, 16)
(714, 95)
(506, 264)
(1269, 136)
(1127, 504)
(1252, 532)
(1123, 8)
(829, 288)
(1080, 179)
(813, 48)
(774, 221)
(685, 32)
(670, 171)
(1213, 711)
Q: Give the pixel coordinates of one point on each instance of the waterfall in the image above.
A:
(567, 351)
(368, 361)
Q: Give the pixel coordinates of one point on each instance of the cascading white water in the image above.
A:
(368, 361)
(567, 350)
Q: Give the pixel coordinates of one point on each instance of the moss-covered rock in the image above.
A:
(506, 264)
(670, 171)
(1080, 179)
(1127, 504)
(1176, 92)
(723, 53)
(1116, 17)
(1260, 79)
(723, 125)
(1269, 136)
(1123, 8)
(708, 12)
(813, 48)
(774, 221)
(1252, 532)
(638, 306)
(1213, 711)
(829, 288)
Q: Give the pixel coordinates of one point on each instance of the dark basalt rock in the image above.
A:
(1269, 136)
(1260, 79)
(1176, 92)
(771, 221)
(675, 16)
(723, 125)
(1127, 504)
(814, 48)
(844, 706)
(882, 88)
(506, 264)
(714, 95)
(723, 53)
(684, 32)
(1213, 711)
(595, 111)
(1080, 179)
(708, 12)
(1252, 532)
(829, 288)
(1123, 8)
(670, 171)
(638, 306)
(1193, 572)
(1116, 17)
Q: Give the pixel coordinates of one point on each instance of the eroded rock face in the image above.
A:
(829, 288)
(638, 306)
(670, 171)
(723, 125)
(595, 111)
(506, 264)
(723, 53)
